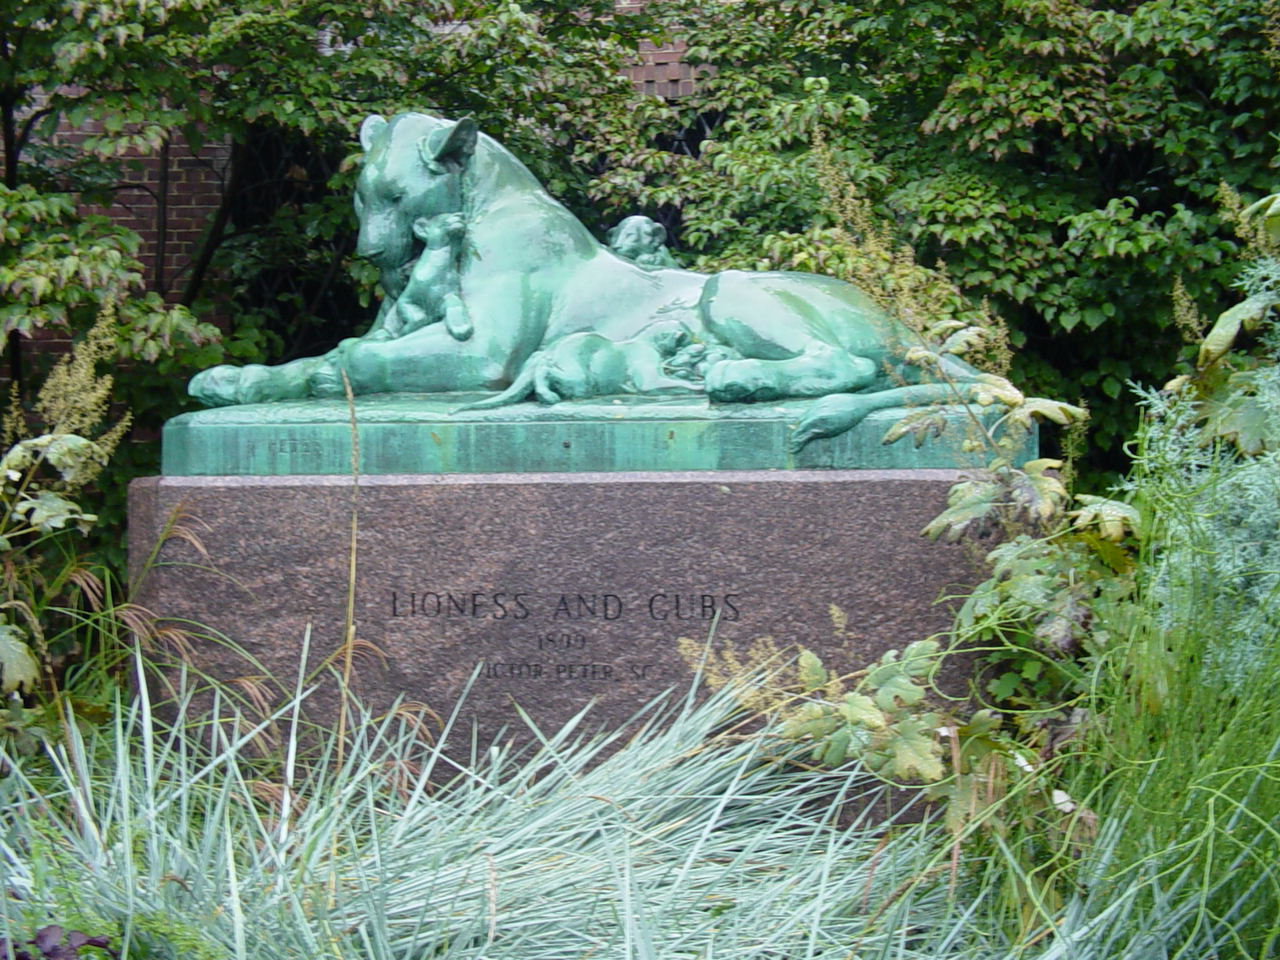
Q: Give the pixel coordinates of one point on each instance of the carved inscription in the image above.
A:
(285, 450)
(571, 638)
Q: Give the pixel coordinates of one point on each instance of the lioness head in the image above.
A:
(413, 168)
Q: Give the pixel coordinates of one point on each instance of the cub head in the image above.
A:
(413, 168)
(642, 241)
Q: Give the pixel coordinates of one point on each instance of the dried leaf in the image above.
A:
(19, 668)
(970, 504)
(1055, 410)
(920, 424)
(861, 710)
(1112, 517)
(1037, 493)
(813, 675)
(922, 357)
(915, 750)
(1226, 328)
(962, 341)
(989, 388)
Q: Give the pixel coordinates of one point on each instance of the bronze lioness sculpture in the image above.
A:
(529, 275)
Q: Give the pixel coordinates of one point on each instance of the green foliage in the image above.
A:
(54, 604)
(289, 85)
(178, 844)
(59, 269)
(1132, 640)
(1192, 524)
(1214, 515)
(284, 87)
(1060, 157)
(1231, 384)
(882, 722)
(1179, 739)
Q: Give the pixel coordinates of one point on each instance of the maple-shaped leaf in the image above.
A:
(813, 675)
(1032, 590)
(914, 750)
(47, 511)
(76, 458)
(835, 750)
(1037, 493)
(892, 680)
(899, 687)
(919, 656)
(969, 504)
(1064, 624)
(19, 668)
(860, 710)
(1243, 419)
(812, 720)
(1021, 554)
(19, 458)
(1112, 517)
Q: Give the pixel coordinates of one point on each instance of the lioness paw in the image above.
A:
(829, 417)
(217, 386)
(326, 381)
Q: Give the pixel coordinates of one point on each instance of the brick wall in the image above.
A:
(170, 202)
(662, 71)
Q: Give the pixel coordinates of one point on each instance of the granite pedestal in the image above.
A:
(551, 590)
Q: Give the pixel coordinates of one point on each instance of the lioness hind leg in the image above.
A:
(833, 415)
(812, 374)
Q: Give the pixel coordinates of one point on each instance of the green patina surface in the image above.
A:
(511, 341)
(425, 434)
(494, 288)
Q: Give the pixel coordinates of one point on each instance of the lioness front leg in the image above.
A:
(224, 385)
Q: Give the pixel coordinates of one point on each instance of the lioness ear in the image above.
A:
(369, 130)
(456, 143)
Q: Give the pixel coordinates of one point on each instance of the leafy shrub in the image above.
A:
(55, 605)
(1060, 158)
